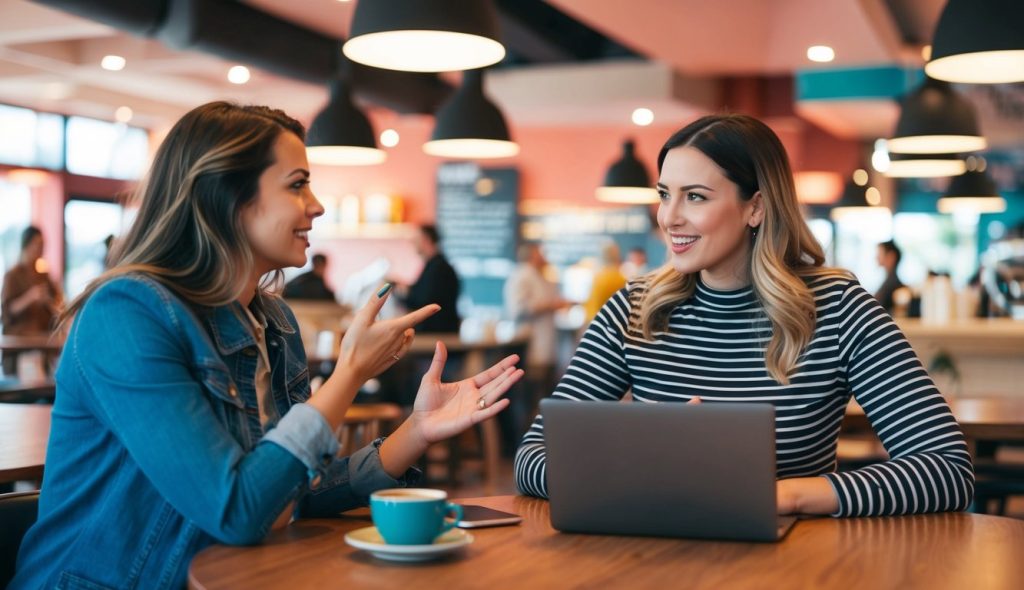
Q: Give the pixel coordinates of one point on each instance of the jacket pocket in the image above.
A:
(218, 383)
(69, 581)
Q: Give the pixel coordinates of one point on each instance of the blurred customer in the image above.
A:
(531, 301)
(310, 285)
(635, 264)
(438, 284)
(607, 280)
(29, 300)
(888, 258)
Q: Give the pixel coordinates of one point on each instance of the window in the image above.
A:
(28, 138)
(86, 225)
(17, 207)
(109, 150)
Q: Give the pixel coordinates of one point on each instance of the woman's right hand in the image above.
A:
(370, 346)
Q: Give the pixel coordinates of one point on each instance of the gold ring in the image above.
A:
(482, 402)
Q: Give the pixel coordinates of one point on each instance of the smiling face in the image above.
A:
(278, 220)
(706, 223)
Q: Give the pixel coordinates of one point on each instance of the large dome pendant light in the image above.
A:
(424, 35)
(979, 42)
(469, 126)
(627, 180)
(341, 135)
(973, 191)
(925, 165)
(935, 119)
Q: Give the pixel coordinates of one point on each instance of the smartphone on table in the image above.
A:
(480, 516)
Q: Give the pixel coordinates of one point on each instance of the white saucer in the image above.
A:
(370, 540)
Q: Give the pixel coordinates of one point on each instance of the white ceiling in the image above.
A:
(49, 60)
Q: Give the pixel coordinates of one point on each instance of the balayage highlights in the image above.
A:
(783, 254)
(188, 231)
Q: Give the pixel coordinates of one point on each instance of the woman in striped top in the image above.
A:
(745, 311)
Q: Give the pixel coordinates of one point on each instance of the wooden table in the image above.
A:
(980, 418)
(24, 432)
(28, 343)
(952, 550)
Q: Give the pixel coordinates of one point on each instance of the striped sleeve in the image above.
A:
(930, 469)
(597, 371)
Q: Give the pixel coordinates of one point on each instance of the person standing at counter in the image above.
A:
(744, 310)
(183, 414)
(888, 258)
(607, 280)
(310, 285)
(29, 299)
(438, 284)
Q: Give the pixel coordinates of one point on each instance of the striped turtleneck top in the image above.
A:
(714, 348)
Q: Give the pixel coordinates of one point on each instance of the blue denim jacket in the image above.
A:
(156, 448)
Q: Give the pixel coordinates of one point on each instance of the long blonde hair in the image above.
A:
(784, 252)
(188, 232)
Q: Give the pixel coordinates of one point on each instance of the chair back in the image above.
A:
(18, 512)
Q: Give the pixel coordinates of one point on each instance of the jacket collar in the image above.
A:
(232, 330)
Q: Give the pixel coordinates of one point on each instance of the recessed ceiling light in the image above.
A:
(820, 53)
(238, 75)
(114, 63)
(389, 138)
(123, 114)
(643, 117)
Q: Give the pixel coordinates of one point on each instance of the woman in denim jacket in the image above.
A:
(183, 415)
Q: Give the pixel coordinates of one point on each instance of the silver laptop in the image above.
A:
(669, 470)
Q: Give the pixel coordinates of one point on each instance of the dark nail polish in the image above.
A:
(384, 290)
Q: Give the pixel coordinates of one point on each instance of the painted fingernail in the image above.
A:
(384, 290)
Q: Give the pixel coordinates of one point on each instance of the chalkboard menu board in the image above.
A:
(477, 216)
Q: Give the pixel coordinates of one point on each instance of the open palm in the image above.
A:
(443, 410)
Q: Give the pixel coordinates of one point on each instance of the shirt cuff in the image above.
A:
(366, 473)
(304, 433)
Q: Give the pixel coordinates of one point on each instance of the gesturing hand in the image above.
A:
(443, 410)
(370, 346)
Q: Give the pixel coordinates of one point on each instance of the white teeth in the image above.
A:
(683, 240)
(302, 234)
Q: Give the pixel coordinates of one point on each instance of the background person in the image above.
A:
(888, 258)
(438, 284)
(311, 284)
(29, 299)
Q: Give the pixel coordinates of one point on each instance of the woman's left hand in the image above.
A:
(443, 410)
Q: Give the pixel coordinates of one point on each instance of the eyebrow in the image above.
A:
(687, 187)
(301, 171)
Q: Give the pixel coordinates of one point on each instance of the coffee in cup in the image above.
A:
(412, 516)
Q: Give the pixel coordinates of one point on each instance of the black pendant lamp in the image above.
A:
(856, 198)
(425, 35)
(935, 119)
(979, 42)
(341, 135)
(925, 165)
(627, 180)
(973, 191)
(469, 126)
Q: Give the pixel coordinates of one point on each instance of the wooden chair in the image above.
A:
(18, 512)
(364, 423)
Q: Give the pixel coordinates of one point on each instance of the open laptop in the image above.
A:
(671, 470)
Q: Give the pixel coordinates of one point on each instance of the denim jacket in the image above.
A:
(156, 448)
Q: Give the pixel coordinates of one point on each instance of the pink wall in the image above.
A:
(558, 164)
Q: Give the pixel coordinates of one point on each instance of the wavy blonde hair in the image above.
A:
(784, 253)
(188, 231)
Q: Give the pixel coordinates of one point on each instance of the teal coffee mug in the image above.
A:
(412, 516)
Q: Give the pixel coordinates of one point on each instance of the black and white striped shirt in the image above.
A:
(714, 348)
